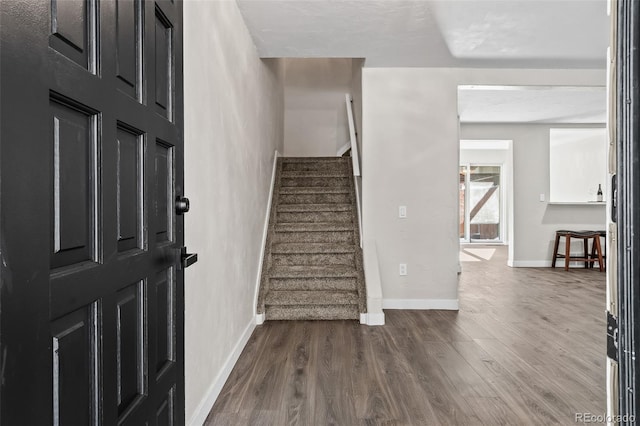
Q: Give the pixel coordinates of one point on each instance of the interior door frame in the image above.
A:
(502, 201)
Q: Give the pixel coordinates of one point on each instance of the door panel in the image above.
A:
(75, 367)
(74, 143)
(131, 356)
(130, 189)
(165, 413)
(74, 30)
(166, 318)
(164, 192)
(163, 63)
(91, 161)
(129, 46)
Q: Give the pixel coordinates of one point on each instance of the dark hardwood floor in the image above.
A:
(527, 347)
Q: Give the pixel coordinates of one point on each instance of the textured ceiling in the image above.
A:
(430, 33)
(531, 104)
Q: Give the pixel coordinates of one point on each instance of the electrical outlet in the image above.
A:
(403, 269)
(402, 212)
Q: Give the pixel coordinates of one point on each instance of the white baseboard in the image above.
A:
(531, 264)
(544, 264)
(260, 319)
(371, 318)
(344, 148)
(441, 304)
(265, 231)
(206, 403)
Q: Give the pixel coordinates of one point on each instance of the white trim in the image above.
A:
(532, 264)
(344, 148)
(206, 403)
(441, 304)
(374, 315)
(371, 318)
(545, 264)
(355, 156)
(359, 208)
(260, 319)
(265, 231)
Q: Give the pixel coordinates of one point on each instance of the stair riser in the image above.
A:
(318, 259)
(312, 284)
(319, 182)
(289, 217)
(315, 237)
(329, 166)
(327, 312)
(314, 198)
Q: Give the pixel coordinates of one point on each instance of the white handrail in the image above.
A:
(352, 137)
(355, 158)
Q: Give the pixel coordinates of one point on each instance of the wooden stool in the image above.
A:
(602, 234)
(588, 258)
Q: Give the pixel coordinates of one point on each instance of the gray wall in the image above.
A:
(234, 123)
(315, 113)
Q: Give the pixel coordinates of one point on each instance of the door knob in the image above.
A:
(182, 205)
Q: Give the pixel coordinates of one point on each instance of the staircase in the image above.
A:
(312, 266)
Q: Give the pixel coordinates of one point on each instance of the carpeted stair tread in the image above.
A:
(313, 226)
(288, 297)
(313, 190)
(288, 160)
(300, 271)
(319, 312)
(314, 217)
(312, 248)
(333, 237)
(288, 208)
(314, 174)
(314, 284)
(315, 182)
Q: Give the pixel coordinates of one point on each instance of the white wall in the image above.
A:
(410, 157)
(233, 124)
(535, 222)
(315, 113)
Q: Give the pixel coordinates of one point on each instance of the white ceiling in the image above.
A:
(434, 33)
(531, 104)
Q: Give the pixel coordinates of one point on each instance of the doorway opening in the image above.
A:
(485, 192)
(481, 203)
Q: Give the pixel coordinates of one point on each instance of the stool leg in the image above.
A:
(555, 251)
(567, 252)
(594, 247)
(586, 252)
(598, 247)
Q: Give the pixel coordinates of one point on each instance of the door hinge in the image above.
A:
(612, 336)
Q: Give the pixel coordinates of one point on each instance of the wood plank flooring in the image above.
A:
(526, 348)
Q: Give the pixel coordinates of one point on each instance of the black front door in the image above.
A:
(91, 161)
